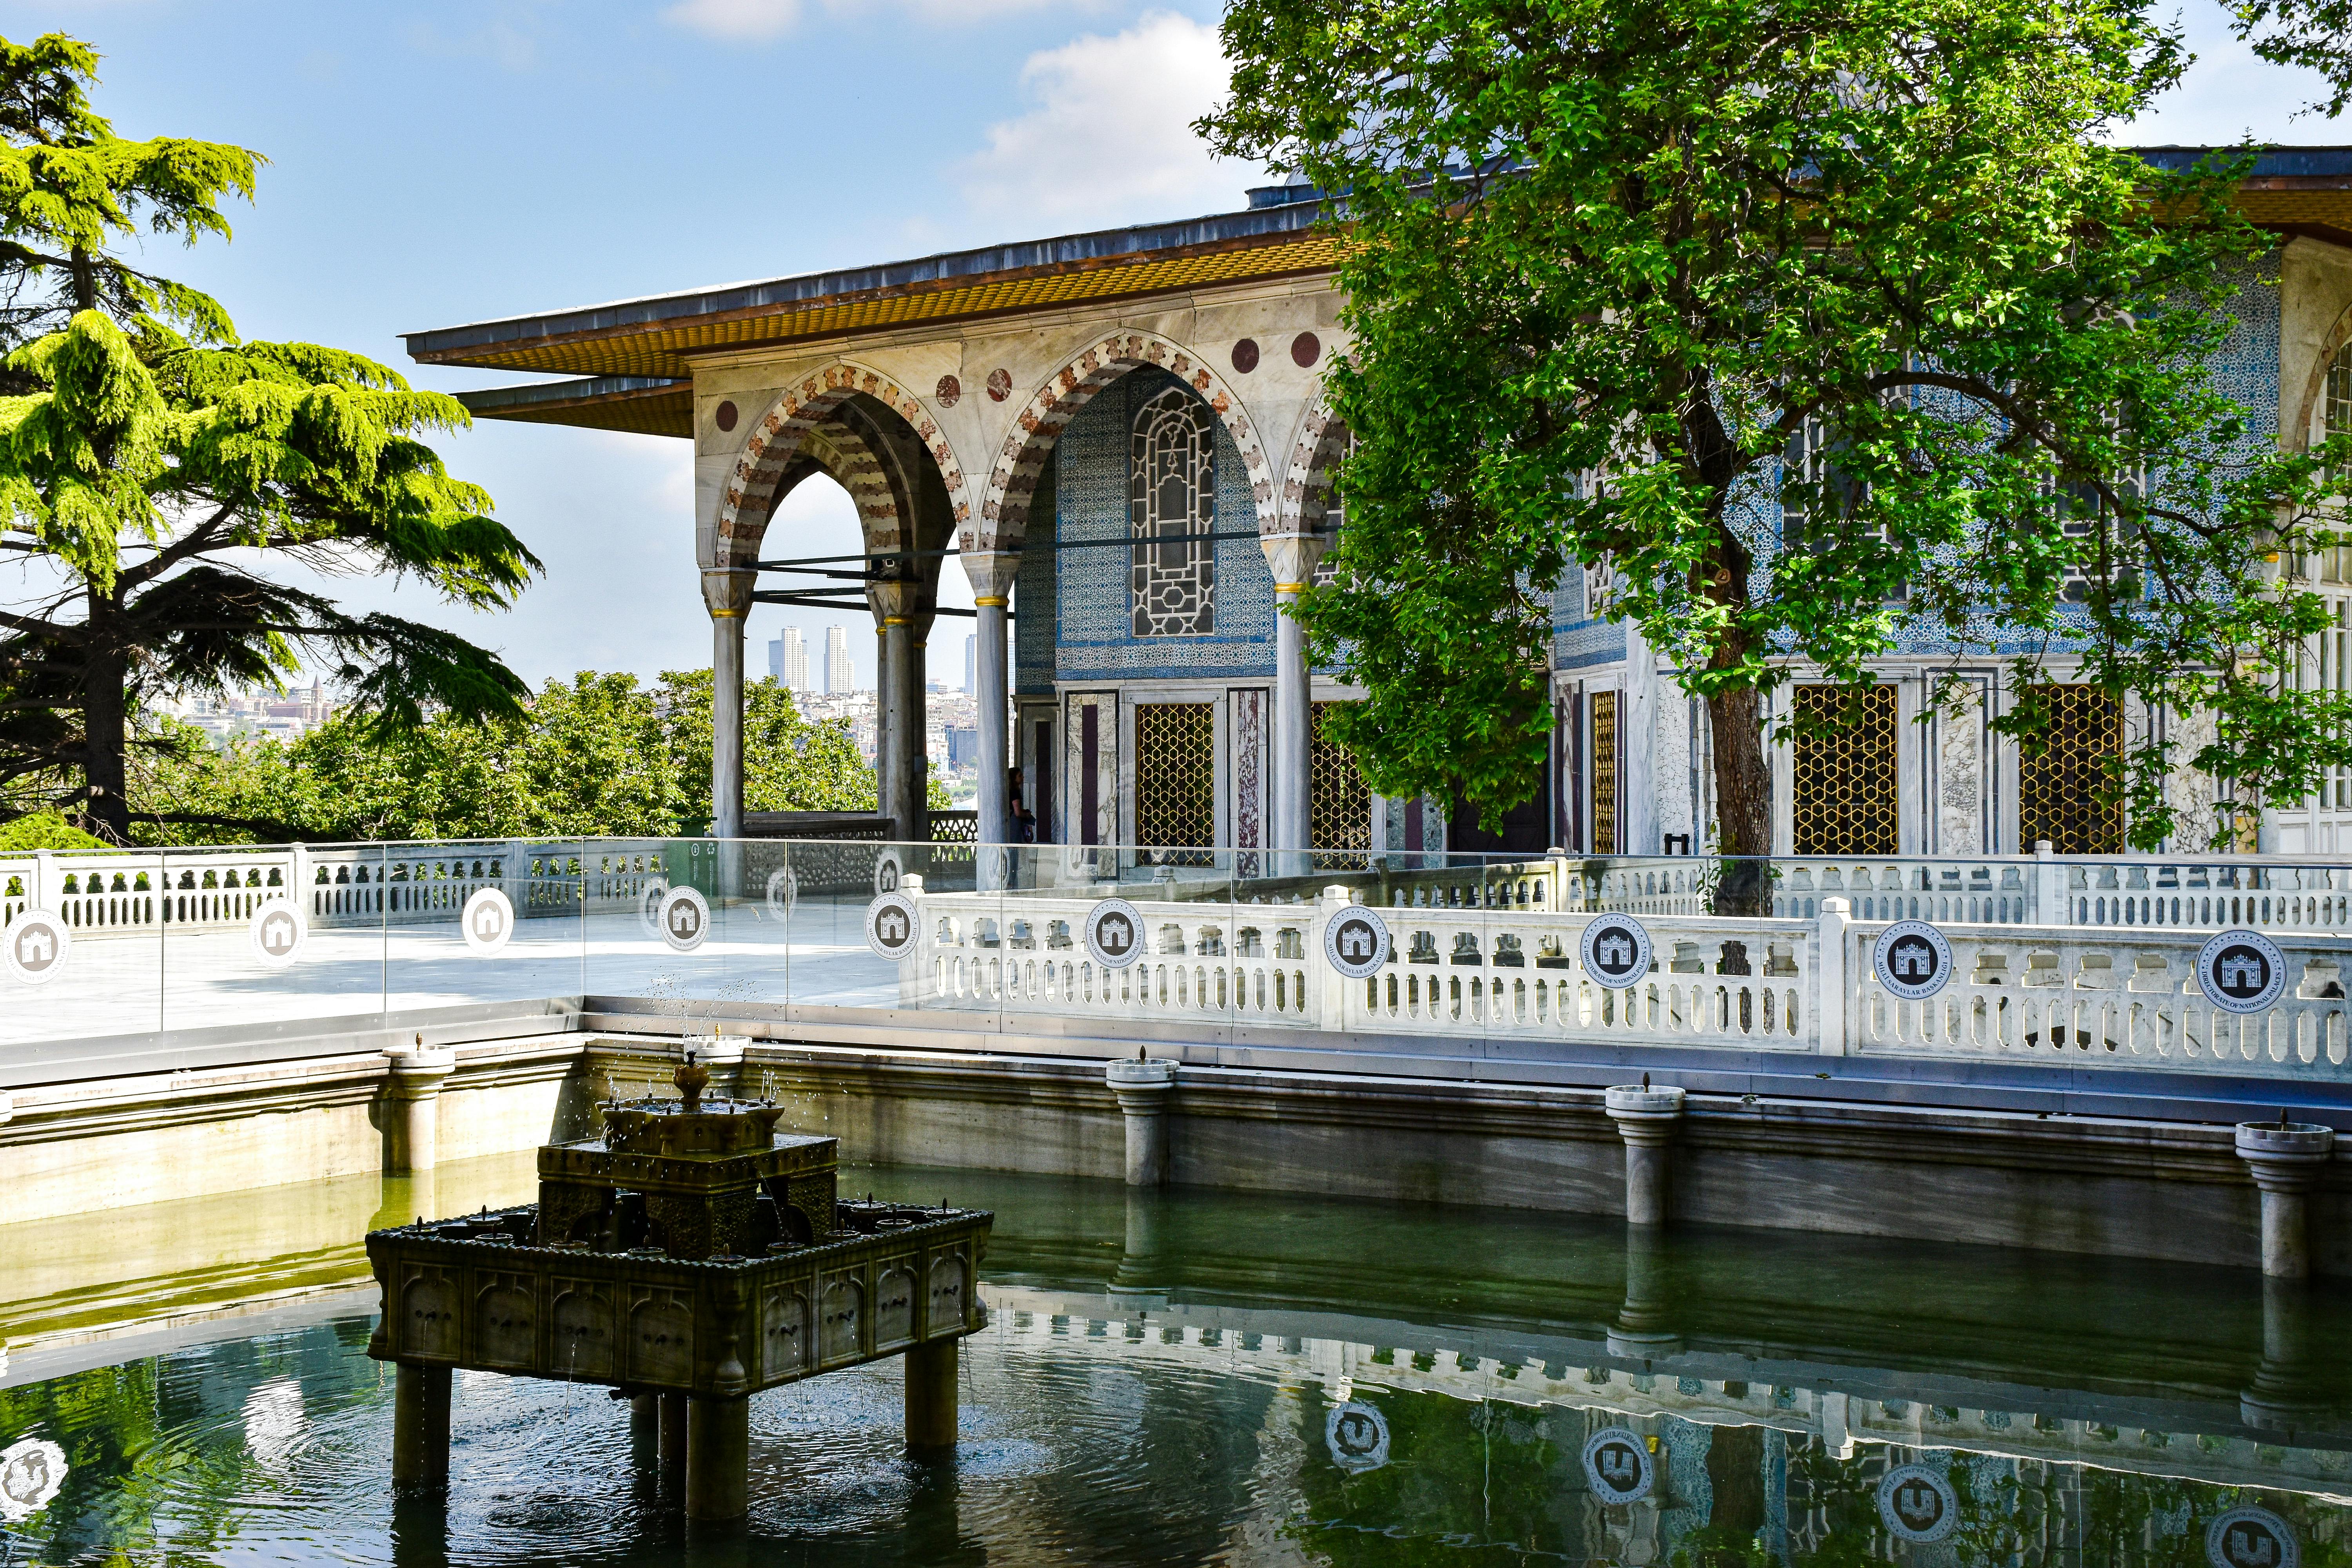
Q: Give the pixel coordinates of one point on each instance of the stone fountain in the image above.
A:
(687, 1259)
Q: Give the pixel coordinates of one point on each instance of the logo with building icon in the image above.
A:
(684, 919)
(487, 922)
(1616, 950)
(277, 929)
(2241, 971)
(1916, 1504)
(2252, 1538)
(1913, 960)
(1618, 1465)
(36, 946)
(1114, 933)
(891, 925)
(1356, 943)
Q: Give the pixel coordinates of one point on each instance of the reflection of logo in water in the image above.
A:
(1356, 943)
(891, 925)
(1618, 1465)
(276, 931)
(37, 947)
(1913, 960)
(1114, 933)
(487, 922)
(2241, 971)
(2252, 1538)
(1358, 1437)
(1616, 950)
(684, 918)
(1914, 1503)
(31, 1474)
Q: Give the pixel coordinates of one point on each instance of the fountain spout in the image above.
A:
(691, 1078)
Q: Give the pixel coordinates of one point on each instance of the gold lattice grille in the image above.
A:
(1342, 810)
(1604, 773)
(2058, 791)
(1176, 775)
(1843, 793)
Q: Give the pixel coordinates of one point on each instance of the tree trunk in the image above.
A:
(1743, 803)
(105, 729)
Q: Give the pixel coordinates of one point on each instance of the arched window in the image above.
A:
(1174, 492)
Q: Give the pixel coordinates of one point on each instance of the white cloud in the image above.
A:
(1110, 138)
(758, 20)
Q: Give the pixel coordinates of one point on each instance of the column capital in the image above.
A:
(2288, 1159)
(1644, 1116)
(1292, 558)
(727, 590)
(990, 572)
(418, 1073)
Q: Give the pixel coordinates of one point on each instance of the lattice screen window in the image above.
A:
(1827, 495)
(1173, 490)
(2333, 565)
(2058, 791)
(2089, 514)
(1844, 797)
(1604, 773)
(1176, 775)
(1341, 814)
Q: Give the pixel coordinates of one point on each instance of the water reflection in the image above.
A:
(1197, 1378)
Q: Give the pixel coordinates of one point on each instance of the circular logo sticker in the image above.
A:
(887, 872)
(1916, 1504)
(487, 921)
(1617, 1464)
(37, 945)
(1356, 942)
(1913, 960)
(2241, 971)
(1115, 933)
(684, 918)
(1616, 950)
(277, 929)
(1358, 1437)
(2252, 1538)
(891, 925)
(783, 892)
(31, 1474)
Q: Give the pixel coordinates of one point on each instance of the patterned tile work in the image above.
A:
(1095, 633)
(1033, 599)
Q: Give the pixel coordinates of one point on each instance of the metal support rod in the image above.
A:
(931, 1396)
(420, 1425)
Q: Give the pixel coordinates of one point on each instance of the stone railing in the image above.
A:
(2067, 997)
(1500, 970)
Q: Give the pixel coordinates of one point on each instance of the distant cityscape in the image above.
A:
(951, 718)
(279, 715)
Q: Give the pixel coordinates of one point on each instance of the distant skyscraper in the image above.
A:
(971, 664)
(788, 660)
(840, 676)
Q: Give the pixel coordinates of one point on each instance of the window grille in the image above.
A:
(1842, 797)
(1817, 497)
(1176, 778)
(1341, 814)
(1173, 490)
(2089, 514)
(1604, 773)
(2058, 791)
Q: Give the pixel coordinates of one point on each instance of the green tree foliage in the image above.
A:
(1796, 321)
(146, 453)
(2315, 35)
(600, 756)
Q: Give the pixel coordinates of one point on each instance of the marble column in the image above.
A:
(899, 764)
(1291, 557)
(411, 1097)
(1646, 1119)
(1141, 1088)
(728, 596)
(992, 574)
(2286, 1160)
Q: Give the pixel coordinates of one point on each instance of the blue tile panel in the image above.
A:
(1033, 599)
(1092, 631)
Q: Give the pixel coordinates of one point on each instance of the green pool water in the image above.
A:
(1203, 1378)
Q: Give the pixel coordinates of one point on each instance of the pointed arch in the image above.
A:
(1013, 481)
(1323, 435)
(780, 433)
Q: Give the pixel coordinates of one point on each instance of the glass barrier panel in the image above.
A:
(1161, 962)
(84, 950)
(244, 941)
(472, 922)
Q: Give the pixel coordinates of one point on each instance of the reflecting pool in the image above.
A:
(1215, 1378)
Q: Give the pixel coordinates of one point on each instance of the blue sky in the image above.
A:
(432, 163)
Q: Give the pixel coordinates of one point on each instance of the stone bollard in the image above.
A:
(2286, 1160)
(411, 1107)
(1142, 1089)
(1647, 1119)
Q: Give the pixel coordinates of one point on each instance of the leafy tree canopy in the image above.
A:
(146, 454)
(598, 756)
(1792, 322)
